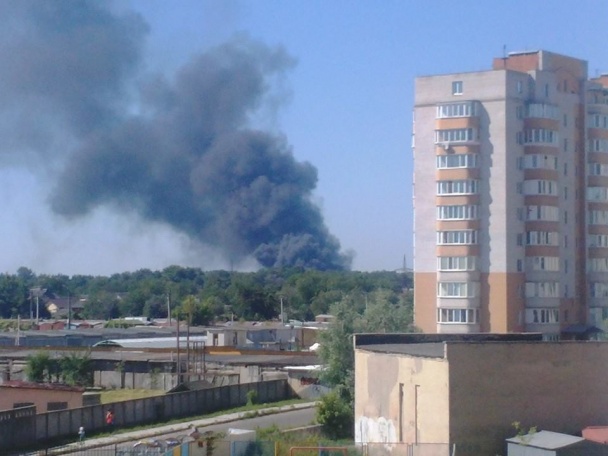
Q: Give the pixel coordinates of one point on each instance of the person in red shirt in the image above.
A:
(110, 418)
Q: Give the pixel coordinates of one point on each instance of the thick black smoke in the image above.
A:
(179, 149)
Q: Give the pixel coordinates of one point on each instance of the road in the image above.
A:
(288, 418)
(285, 420)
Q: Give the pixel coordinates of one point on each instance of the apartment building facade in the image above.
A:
(511, 197)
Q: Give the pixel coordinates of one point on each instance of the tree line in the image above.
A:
(209, 295)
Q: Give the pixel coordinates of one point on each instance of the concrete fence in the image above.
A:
(16, 426)
(22, 427)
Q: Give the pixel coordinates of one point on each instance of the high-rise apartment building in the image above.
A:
(511, 197)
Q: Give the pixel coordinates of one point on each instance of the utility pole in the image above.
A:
(169, 307)
(36, 292)
(179, 366)
(17, 340)
(69, 312)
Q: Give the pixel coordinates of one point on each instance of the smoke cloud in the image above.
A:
(177, 149)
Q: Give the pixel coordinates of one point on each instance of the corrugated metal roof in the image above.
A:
(546, 440)
(150, 342)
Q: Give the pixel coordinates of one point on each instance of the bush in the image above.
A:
(336, 415)
(252, 397)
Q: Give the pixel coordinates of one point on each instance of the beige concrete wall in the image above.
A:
(558, 386)
(38, 397)
(425, 298)
(504, 311)
(424, 405)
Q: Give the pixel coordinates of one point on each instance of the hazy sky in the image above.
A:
(341, 100)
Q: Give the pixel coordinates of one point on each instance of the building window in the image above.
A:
(597, 193)
(520, 86)
(23, 404)
(597, 240)
(538, 161)
(466, 237)
(464, 109)
(542, 316)
(543, 263)
(597, 145)
(598, 290)
(455, 135)
(457, 263)
(540, 136)
(542, 213)
(457, 212)
(457, 289)
(541, 290)
(597, 265)
(467, 316)
(598, 217)
(540, 187)
(542, 111)
(597, 121)
(51, 406)
(456, 87)
(598, 169)
(542, 238)
(457, 161)
(457, 187)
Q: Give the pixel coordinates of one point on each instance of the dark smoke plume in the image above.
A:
(178, 150)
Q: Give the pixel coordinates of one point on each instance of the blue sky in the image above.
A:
(348, 112)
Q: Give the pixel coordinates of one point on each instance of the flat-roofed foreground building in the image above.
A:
(511, 197)
(46, 397)
(433, 394)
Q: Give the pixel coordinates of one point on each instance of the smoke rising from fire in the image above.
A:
(178, 149)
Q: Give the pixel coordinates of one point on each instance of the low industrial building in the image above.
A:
(46, 397)
(436, 394)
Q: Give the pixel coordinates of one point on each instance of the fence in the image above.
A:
(407, 449)
(16, 433)
(16, 426)
(228, 447)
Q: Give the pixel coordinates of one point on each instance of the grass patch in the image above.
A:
(118, 395)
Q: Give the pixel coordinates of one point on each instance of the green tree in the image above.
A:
(383, 311)
(336, 415)
(39, 367)
(101, 305)
(76, 369)
(336, 347)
